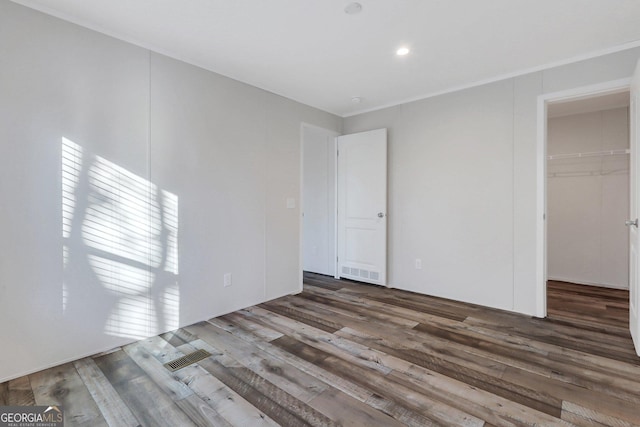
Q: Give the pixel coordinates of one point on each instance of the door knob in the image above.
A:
(634, 222)
(381, 215)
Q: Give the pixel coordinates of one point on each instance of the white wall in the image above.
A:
(448, 196)
(228, 152)
(319, 173)
(588, 199)
(462, 184)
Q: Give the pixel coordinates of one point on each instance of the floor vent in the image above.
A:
(184, 361)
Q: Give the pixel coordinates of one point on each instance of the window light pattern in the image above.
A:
(122, 231)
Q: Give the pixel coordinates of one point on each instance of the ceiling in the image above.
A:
(313, 52)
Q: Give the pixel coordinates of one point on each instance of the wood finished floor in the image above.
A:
(588, 304)
(343, 353)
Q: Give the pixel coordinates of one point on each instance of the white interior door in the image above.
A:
(362, 206)
(634, 234)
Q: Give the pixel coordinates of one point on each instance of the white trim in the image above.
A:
(66, 360)
(304, 125)
(585, 283)
(336, 272)
(541, 243)
(583, 92)
(541, 176)
(573, 59)
(301, 210)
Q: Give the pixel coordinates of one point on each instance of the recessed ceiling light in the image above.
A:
(356, 100)
(402, 51)
(353, 8)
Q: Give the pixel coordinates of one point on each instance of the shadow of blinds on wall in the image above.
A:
(120, 244)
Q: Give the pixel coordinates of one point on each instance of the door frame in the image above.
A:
(578, 93)
(334, 153)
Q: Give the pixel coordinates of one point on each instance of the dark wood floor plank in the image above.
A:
(324, 281)
(150, 355)
(20, 393)
(554, 334)
(153, 369)
(257, 331)
(347, 411)
(288, 378)
(495, 410)
(480, 376)
(376, 312)
(600, 403)
(283, 408)
(477, 402)
(221, 400)
(145, 399)
(421, 307)
(303, 385)
(317, 338)
(412, 408)
(4, 393)
(581, 376)
(589, 304)
(528, 347)
(408, 340)
(62, 386)
(350, 307)
(359, 358)
(303, 317)
(454, 308)
(113, 409)
(299, 355)
(391, 407)
(583, 415)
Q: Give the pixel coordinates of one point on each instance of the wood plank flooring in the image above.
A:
(588, 304)
(342, 353)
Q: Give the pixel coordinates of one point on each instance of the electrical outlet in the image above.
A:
(227, 279)
(418, 264)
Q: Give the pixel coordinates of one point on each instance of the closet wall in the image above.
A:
(588, 198)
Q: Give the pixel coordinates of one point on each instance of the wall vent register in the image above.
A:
(358, 272)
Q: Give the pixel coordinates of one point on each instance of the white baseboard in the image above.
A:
(582, 282)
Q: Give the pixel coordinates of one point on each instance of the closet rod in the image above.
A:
(574, 174)
(589, 154)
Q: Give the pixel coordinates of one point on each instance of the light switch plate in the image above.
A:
(291, 203)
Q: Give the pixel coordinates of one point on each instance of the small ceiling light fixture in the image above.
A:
(356, 100)
(402, 51)
(353, 8)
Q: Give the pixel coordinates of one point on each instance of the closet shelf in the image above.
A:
(589, 154)
(574, 174)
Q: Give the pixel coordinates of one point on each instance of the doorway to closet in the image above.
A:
(344, 204)
(587, 164)
(318, 200)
